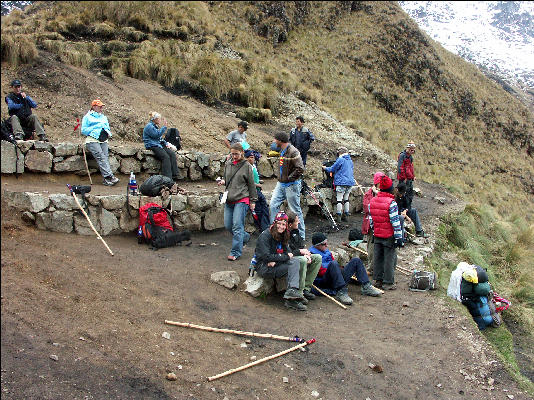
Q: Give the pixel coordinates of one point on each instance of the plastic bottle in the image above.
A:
(133, 184)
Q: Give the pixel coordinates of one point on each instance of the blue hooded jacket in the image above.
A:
(152, 135)
(343, 170)
(93, 123)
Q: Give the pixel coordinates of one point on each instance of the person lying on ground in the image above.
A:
(408, 214)
(343, 170)
(164, 151)
(95, 126)
(309, 263)
(275, 260)
(366, 228)
(19, 106)
(333, 279)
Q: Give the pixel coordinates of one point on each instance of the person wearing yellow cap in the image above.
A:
(95, 126)
(405, 172)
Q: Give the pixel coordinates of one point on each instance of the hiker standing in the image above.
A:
(164, 151)
(289, 182)
(366, 225)
(384, 220)
(333, 279)
(343, 170)
(19, 106)
(241, 195)
(275, 260)
(405, 171)
(309, 263)
(261, 209)
(95, 126)
(301, 138)
(405, 213)
(238, 136)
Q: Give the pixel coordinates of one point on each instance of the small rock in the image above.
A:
(244, 345)
(202, 245)
(82, 338)
(180, 367)
(215, 244)
(315, 393)
(406, 304)
(172, 353)
(285, 379)
(248, 341)
(438, 385)
(510, 396)
(166, 335)
(491, 381)
(253, 358)
(55, 344)
(54, 357)
(376, 368)
(171, 376)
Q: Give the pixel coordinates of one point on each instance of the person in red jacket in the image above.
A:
(366, 228)
(384, 219)
(405, 172)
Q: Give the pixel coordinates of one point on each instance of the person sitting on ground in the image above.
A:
(384, 220)
(366, 228)
(238, 136)
(262, 209)
(409, 214)
(19, 106)
(309, 263)
(275, 260)
(333, 279)
(164, 151)
(343, 170)
(301, 138)
(95, 126)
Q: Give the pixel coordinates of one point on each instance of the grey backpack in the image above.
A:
(422, 281)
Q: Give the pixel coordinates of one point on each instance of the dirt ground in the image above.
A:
(80, 324)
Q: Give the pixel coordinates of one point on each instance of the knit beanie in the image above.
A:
(376, 178)
(282, 136)
(386, 184)
(280, 216)
(318, 238)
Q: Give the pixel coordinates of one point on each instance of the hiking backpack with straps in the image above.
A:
(156, 227)
(152, 186)
(328, 181)
(173, 137)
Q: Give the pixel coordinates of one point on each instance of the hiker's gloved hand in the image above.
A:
(399, 243)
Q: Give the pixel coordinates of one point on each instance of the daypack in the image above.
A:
(422, 281)
(7, 133)
(328, 181)
(355, 234)
(152, 186)
(173, 137)
(480, 311)
(156, 227)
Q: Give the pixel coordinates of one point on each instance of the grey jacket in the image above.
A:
(242, 184)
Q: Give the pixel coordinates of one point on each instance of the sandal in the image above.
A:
(232, 258)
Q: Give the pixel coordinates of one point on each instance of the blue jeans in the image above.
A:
(292, 194)
(234, 222)
(336, 278)
(414, 216)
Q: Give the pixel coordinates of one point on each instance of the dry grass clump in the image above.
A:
(18, 50)
(220, 76)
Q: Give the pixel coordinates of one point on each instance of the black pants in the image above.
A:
(409, 193)
(169, 168)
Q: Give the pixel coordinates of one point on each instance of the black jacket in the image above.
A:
(296, 243)
(266, 250)
(23, 112)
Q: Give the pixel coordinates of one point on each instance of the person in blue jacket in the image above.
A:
(343, 170)
(165, 152)
(95, 126)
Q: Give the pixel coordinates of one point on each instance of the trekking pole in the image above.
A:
(231, 371)
(330, 297)
(359, 187)
(355, 248)
(222, 330)
(88, 220)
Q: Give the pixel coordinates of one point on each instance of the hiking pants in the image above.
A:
(308, 272)
(169, 167)
(31, 122)
(292, 194)
(414, 216)
(336, 278)
(385, 260)
(342, 198)
(409, 193)
(290, 268)
(234, 222)
(262, 211)
(100, 151)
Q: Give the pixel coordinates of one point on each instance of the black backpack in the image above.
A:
(7, 132)
(328, 181)
(173, 137)
(152, 186)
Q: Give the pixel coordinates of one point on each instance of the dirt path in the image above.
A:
(64, 297)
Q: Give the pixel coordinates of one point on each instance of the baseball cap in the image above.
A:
(97, 102)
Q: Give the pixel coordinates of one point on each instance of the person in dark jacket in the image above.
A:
(19, 106)
(343, 170)
(384, 219)
(301, 138)
(275, 260)
(309, 263)
(289, 183)
(405, 171)
(241, 194)
(408, 214)
(164, 151)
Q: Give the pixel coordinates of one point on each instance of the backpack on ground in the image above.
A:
(153, 186)
(421, 281)
(173, 137)
(156, 227)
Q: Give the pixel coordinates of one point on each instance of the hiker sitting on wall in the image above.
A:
(165, 152)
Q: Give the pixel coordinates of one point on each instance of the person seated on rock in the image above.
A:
(343, 170)
(261, 217)
(95, 126)
(164, 151)
(333, 279)
(408, 214)
(275, 260)
(309, 263)
(238, 136)
(19, 106)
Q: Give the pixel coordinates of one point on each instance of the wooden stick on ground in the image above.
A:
(231, 371)
(402, 271)
(235, 332)
(355, 279)
(330, 297)
(346, 244)
(90, 223)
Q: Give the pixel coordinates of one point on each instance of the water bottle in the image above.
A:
(252, 266)
(140, 235)
(133, 184)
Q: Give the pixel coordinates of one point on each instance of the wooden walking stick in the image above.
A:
(330, 297)
(359, 187)
(356, 279)
(88, 220)
(83, 150)
(403, 271)
(355, 248)
(235, 332)
(231, 371)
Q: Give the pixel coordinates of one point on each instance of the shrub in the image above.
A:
(254, 114)
(104, 30)
(19, 50)
(219, 76)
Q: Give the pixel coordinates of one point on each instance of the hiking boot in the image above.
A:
(111, 181)
(421, 234)
(304, 301)
(345, 217)
(389, 286)
(295, 305)
(370, 290)
(19, 135)
(308, 295)
(293, 294)
(378, 284)
(343, 297)
(338, 218)
(43, 138)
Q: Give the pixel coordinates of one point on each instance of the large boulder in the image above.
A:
(123, 151)
(113, 202)
(201, 203)
(178, 202)
(265, 169)
(195, 173)
(57, 221)
(228, 279)
(152, 165)
(70, 164)
(28, 201)
(65, 149)
(11, 162)
(127, 222)
(109, 225)
(130, 164)
(188, 220)
(257, 286)
(81, 226)
(38, 161)
(214, 218)
(63, 201)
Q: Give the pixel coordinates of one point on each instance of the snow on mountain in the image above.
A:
(495, 35)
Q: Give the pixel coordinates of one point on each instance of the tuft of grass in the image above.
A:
(18, 50)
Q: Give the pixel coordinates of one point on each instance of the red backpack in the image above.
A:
(153, 221)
